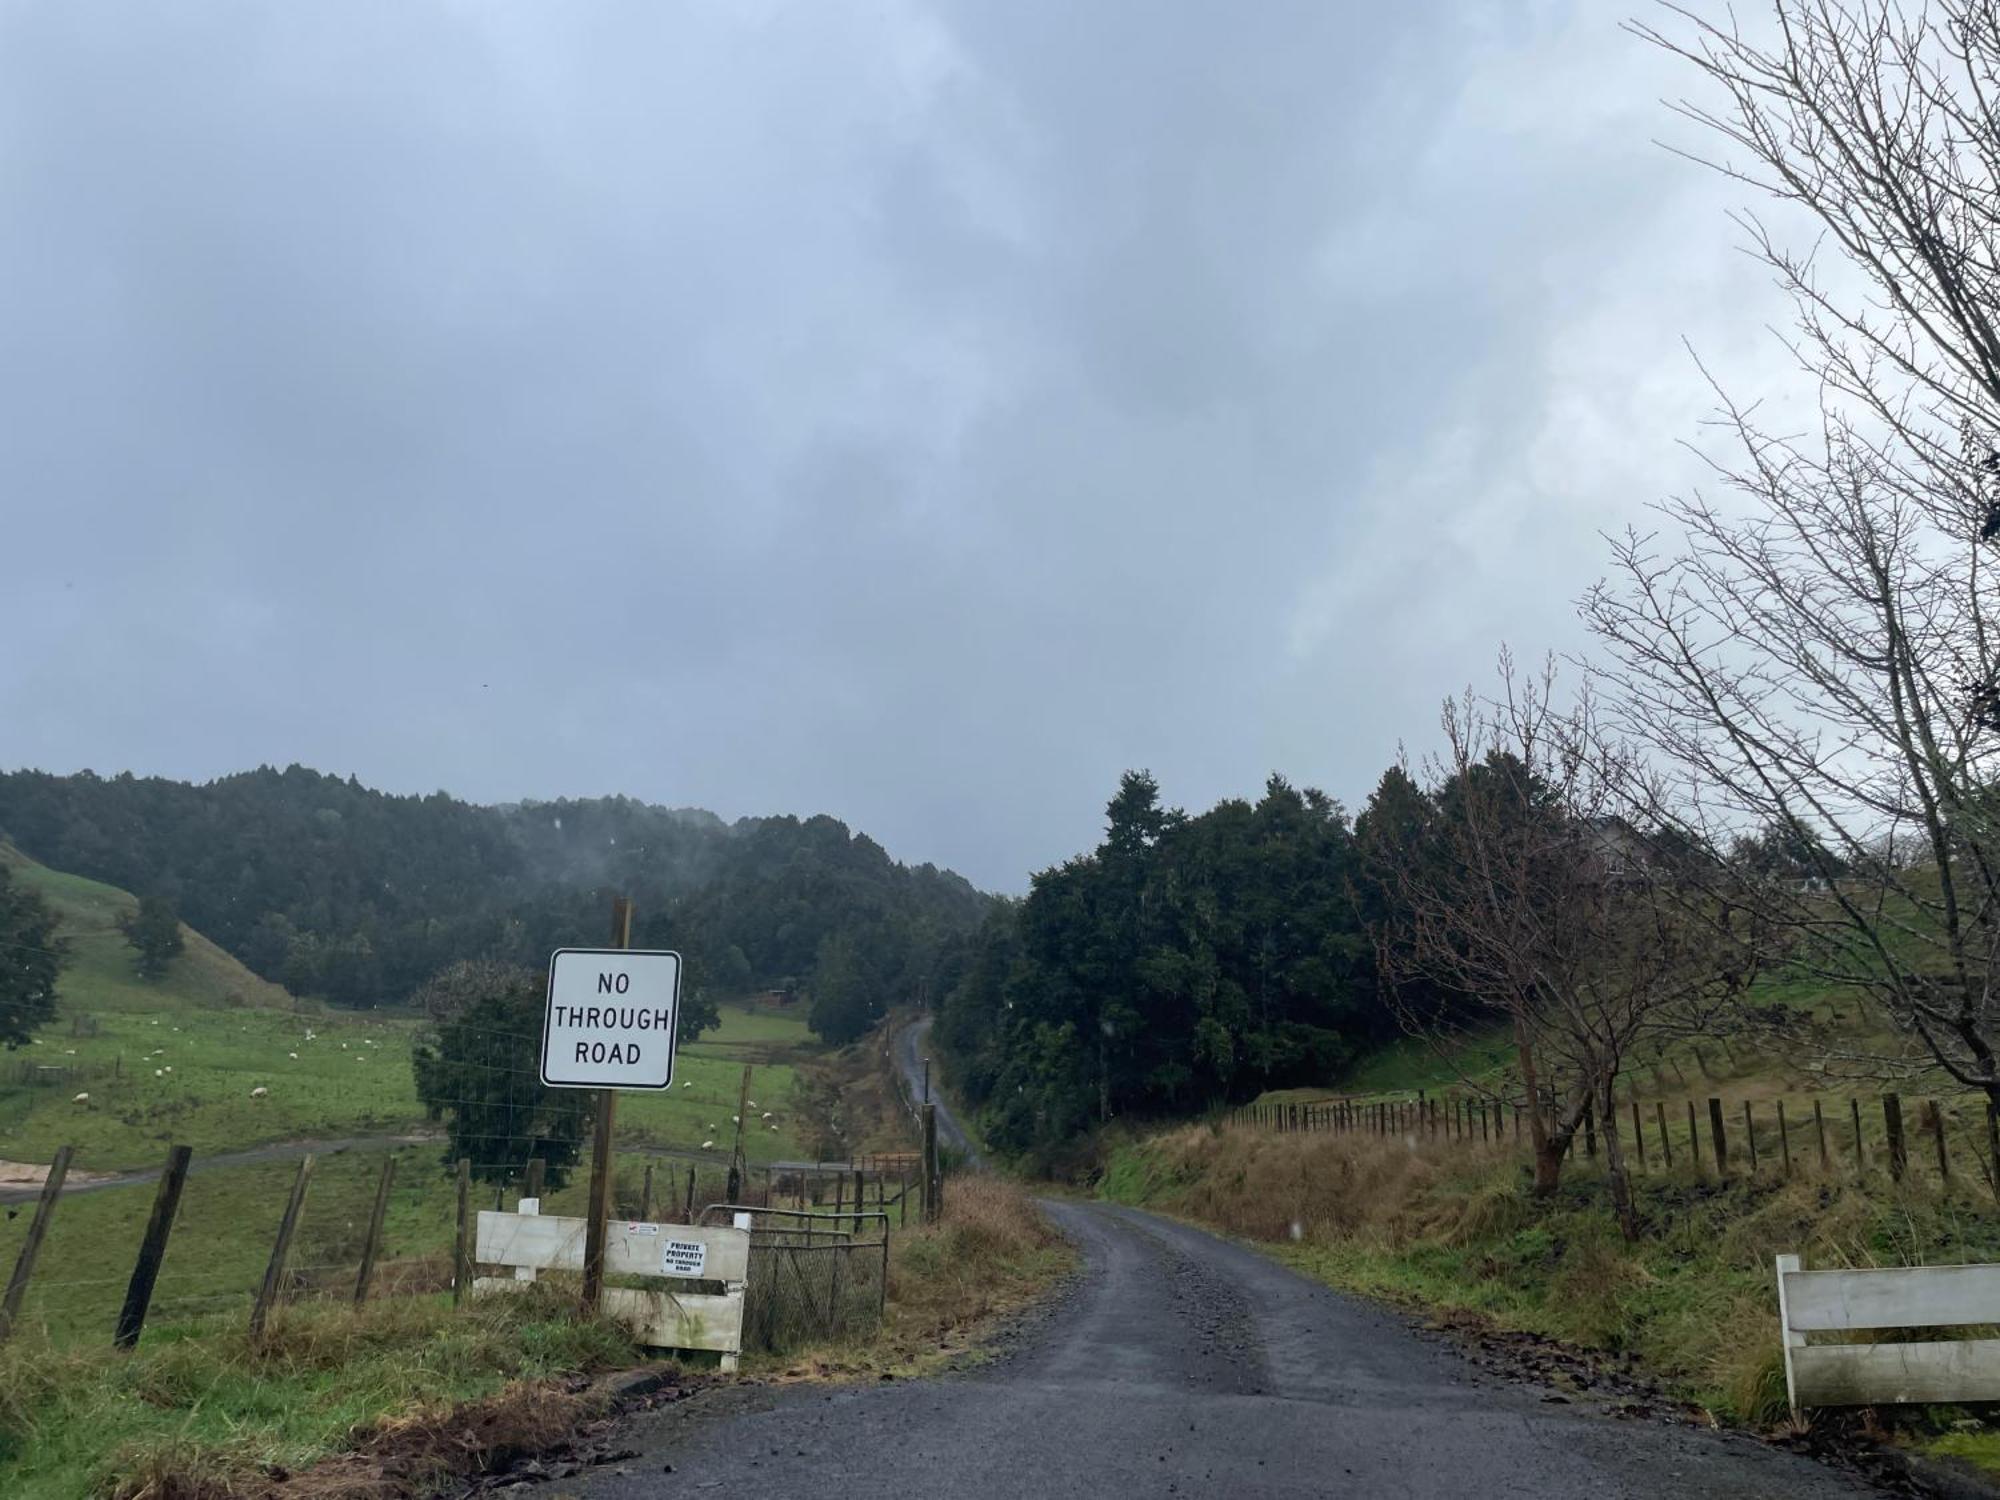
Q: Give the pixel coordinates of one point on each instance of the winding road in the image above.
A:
(911, 1043)
(1180, 1364)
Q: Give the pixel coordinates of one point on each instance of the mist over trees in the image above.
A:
(339, 891)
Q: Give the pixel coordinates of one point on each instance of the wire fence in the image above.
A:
(396, 1207)
(1945, 1143)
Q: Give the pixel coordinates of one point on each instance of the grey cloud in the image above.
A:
(918, 412)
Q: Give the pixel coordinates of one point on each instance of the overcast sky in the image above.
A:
(919, 412)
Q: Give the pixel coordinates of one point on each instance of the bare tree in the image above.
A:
(1815, 652)
(1533, 903)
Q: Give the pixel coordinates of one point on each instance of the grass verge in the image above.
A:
(198, 1413)
(407, 1394)
(993, 1255)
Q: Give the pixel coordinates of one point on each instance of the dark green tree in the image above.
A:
(154, 931)
(479, 1070)
(846, 1000)
(31, 956)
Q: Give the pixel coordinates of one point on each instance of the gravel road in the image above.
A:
(910, 1045)
(1182, 1365)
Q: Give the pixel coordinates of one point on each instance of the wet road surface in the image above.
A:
(1183, 1365)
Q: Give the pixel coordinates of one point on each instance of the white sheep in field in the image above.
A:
(81, 1099)
(159, 1073)
(750, 1103)
(259, 1092)
(293, 1056)
(767, 1114)
(705, 1145)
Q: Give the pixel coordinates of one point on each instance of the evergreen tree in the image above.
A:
(31, 956)
(154, 931)
(479, 1070)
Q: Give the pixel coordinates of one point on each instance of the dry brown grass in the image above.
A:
(1313, 1186)
(994, 1253)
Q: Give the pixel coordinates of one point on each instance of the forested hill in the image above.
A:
(337, 890)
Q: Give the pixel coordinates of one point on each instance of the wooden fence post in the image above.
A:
(688, 1217)
(1639, 1135)
(1819, 1129)
(281, 1247)
(597, 1223)
(1937, 1134)
(153, 1248)
(1718, 1137)
(1860, 1154)
(1666, 1141)
(931, 1204)
(1694, 1140)
(646, 1196)
(1750, 1135)
(38, 1228)
(538, 1169)
(1892, 1126)
(372, 1246)
(461, 1250)
(1784, 1140)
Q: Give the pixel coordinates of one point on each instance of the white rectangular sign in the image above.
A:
(683, 1258)
(611, 1019)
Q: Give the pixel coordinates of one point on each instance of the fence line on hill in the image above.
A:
(1946, 1140)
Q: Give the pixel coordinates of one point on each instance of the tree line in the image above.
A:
(1187, 962)
(337, 890)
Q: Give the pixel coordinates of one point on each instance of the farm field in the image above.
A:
(178, 1061)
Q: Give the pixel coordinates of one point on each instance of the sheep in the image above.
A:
(170, 1068)
(293, 1056)
(767, 1114)
(706, 1145)
(81, 1099)
(159, 1073)
(259, 1092)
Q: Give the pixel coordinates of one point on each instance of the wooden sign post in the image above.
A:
(600, 1149)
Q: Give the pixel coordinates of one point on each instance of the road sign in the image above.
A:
(611, 1019)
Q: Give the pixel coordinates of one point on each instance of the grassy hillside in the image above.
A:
(177, 1061)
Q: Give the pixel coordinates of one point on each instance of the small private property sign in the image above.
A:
(611, 1019)
(684, 1258)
